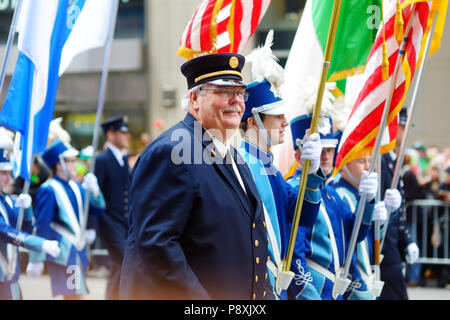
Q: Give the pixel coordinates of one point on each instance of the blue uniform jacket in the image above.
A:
(318, 245)
(364, 249)
(114, 181)
(398, 236)
(9, 234)
(280, 199)
(396, 240)
(47, 212)
(194, 233)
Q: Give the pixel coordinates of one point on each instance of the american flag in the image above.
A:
(364, 121)
(221, 26)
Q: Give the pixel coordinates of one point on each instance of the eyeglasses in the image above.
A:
(228, 93)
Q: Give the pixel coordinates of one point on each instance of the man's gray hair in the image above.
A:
(186, 101)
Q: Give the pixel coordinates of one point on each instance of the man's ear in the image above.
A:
(193, 97)
(110, 135)
(252, 123)
(297, 155)
(57, 167)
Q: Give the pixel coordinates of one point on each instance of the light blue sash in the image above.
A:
(265, 191)
(67, 214)
(8, 263)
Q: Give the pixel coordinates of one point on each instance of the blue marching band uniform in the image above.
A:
(278, 197)
(59, 214)
(328, 240)
(11, 238)
(364, 249)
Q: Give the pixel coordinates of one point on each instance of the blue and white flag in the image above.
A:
(51, 34)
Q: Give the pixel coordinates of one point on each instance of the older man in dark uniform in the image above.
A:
(112, 171)
(197, 228)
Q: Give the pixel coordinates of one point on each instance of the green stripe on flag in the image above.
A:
(356, 32)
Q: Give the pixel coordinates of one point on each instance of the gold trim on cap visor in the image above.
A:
(217, 73)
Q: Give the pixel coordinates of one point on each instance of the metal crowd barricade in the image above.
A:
(434, 245)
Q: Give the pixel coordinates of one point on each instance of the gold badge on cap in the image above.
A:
(234, 62)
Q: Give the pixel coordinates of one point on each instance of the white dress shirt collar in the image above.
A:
(118, 154)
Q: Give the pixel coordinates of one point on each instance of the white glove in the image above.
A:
(35, 269)
(90, 236)
(51, 247)
(23, 201)
(311, 150)
(368, 185)
(380, 212)
(91, 184)
(393, 200)
(412, 253)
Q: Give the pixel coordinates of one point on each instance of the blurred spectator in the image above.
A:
(432, 184)
(432, 152)
(83, 163)
(446, 157)
(422, 161)
(443, 192)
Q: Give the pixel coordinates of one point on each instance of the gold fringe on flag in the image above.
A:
(398, 27)
(385, 62)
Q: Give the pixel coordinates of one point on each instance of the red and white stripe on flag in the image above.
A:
(221, 26)
(363, 124)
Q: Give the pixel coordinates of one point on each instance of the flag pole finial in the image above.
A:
(398, 27)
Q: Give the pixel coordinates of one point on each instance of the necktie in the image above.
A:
(125, 163)
(228, 157)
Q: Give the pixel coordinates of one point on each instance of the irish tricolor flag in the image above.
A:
(358, 25)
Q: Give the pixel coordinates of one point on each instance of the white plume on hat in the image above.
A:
(310, 90)
(340, 113)
(6, 139)
(56, 132)
(265, 65)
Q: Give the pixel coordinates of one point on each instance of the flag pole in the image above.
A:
(19, 222)
(376, 241)
(9, 43)
(314, 122)
(417, 87)
(101, 100)
(376, 149)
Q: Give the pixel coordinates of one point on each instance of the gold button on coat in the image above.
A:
(256, 243)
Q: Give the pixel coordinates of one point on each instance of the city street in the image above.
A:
(39, 289)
